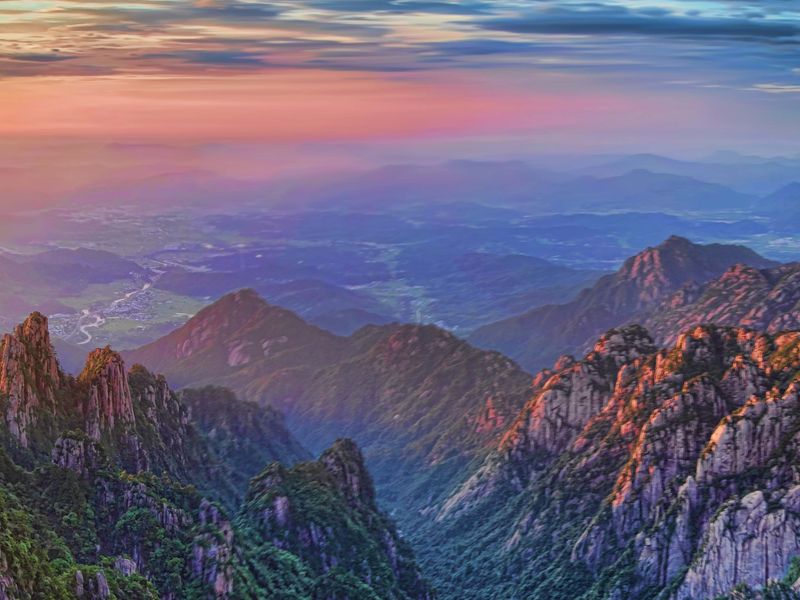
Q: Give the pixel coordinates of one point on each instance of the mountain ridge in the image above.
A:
(538, 337)
(108, 490)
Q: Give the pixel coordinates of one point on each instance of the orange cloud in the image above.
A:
(282, 105)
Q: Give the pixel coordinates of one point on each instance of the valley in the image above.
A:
(460, 266)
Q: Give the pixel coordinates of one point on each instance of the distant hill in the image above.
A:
(783, 202)
(239, 334)
(645, 190)
(421, 402)
(749, 175)
(536, 338)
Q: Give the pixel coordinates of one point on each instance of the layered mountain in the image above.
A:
(420, 401)
(651, 186)
(747, 174)
(536, 338)
(636, 473)
(648, 191)
(239, 335)
(108, 489)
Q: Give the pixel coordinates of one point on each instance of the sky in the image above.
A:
(717, 73)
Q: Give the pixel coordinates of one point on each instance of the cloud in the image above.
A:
(614, 39)
(405, 6)
(232, 58)
(776, 88)
(618, 20)
(38, 58)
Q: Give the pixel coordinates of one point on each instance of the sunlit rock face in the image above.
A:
(675, 466)
(29, 377)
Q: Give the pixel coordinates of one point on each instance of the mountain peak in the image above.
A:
(34, 334)
(34, 329)
(101, 360)
(345, 463)
(625, 343)
(108, 403)
(29, 376)
(676, 241)
(662, 269)
(643, 283)
(244, 296)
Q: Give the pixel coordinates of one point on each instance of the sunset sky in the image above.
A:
(686, 73)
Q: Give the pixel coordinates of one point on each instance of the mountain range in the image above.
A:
(654, 457)
(538, 337)
(655, 183)
(420, 401)
(638, 472)
(113, 487)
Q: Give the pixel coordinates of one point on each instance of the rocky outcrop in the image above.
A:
(29, 379)
(76, 452)
(213, 551)
(94, 587)
(107, 406)
(344, 462)
(666, 471)
(744, 296)
(564, 401)
(751, 541)
(354, 536)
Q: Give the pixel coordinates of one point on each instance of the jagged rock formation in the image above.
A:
(107, 404)
(743, 296)
(536, 338)
(642, 473)
(29, 380)
(76, 452)
(285, 511)
(421, 402)
(115, 511)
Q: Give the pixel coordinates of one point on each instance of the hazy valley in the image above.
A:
(494, 395)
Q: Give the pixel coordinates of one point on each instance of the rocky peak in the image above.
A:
(324, 512)
(29, 376)
(108, 403)
(743, 296)
(345, 464)
(659, 271)
(408, 343)
(34, 333)
(622, 345)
